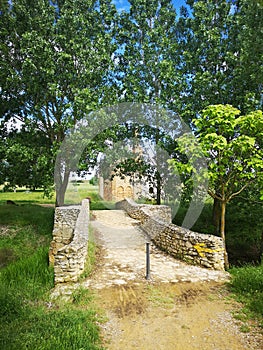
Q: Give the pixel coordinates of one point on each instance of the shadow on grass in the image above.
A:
(29, 214)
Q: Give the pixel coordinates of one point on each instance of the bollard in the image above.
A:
(147, 260)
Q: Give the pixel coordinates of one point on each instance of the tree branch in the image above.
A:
(214, 195)
(238, 192)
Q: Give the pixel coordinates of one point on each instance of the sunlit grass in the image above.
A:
(75, 193)
(78, 191)
(29, 319)
(24, 196)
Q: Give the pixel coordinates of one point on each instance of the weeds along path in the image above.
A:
(180, 307)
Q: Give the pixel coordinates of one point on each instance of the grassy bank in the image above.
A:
(29, 319)
(247, 288)
(24, 196)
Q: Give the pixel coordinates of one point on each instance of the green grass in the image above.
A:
(247, 287)
(29, 319)
(23, 196)
(93, 251)
(78, 191)
(31, 275)
(23, 229)
(42, 329)
(74, 195)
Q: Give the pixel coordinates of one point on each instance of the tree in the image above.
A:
(56, 56)
(231, 144)
(245, 34)
(148, 63)
(222, 50)
(26, 160)
(206, 48)
(146, 71)
(221, 46)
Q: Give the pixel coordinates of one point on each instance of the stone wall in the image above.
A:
(68, 249)
(140, 211)
(192, 247)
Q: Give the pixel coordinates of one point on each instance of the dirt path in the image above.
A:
(171, 317)
(181, 307)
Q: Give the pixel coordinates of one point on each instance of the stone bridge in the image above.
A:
(122, 240)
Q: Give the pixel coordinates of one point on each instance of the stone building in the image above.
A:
(123, 187)
(119, 188)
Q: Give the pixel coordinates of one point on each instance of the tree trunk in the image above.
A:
(60, 197)
(61, 189)
(222, 232)
(216, 215)
(158, 189)
(261, 249)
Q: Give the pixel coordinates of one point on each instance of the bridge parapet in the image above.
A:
(195, 248)
(136, 211)
(68, 249)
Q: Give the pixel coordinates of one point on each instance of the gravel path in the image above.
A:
(124, 246)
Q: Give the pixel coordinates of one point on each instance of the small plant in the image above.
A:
(245, 328)
(160, 298)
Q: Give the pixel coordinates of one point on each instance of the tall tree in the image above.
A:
(148, 63)
(221, 46)
(222, 49)
(231, 145)
(206, 49)
(246, 36)
(56, 57)
(147, 71)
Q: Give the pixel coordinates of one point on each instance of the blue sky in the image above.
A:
(124, 4)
